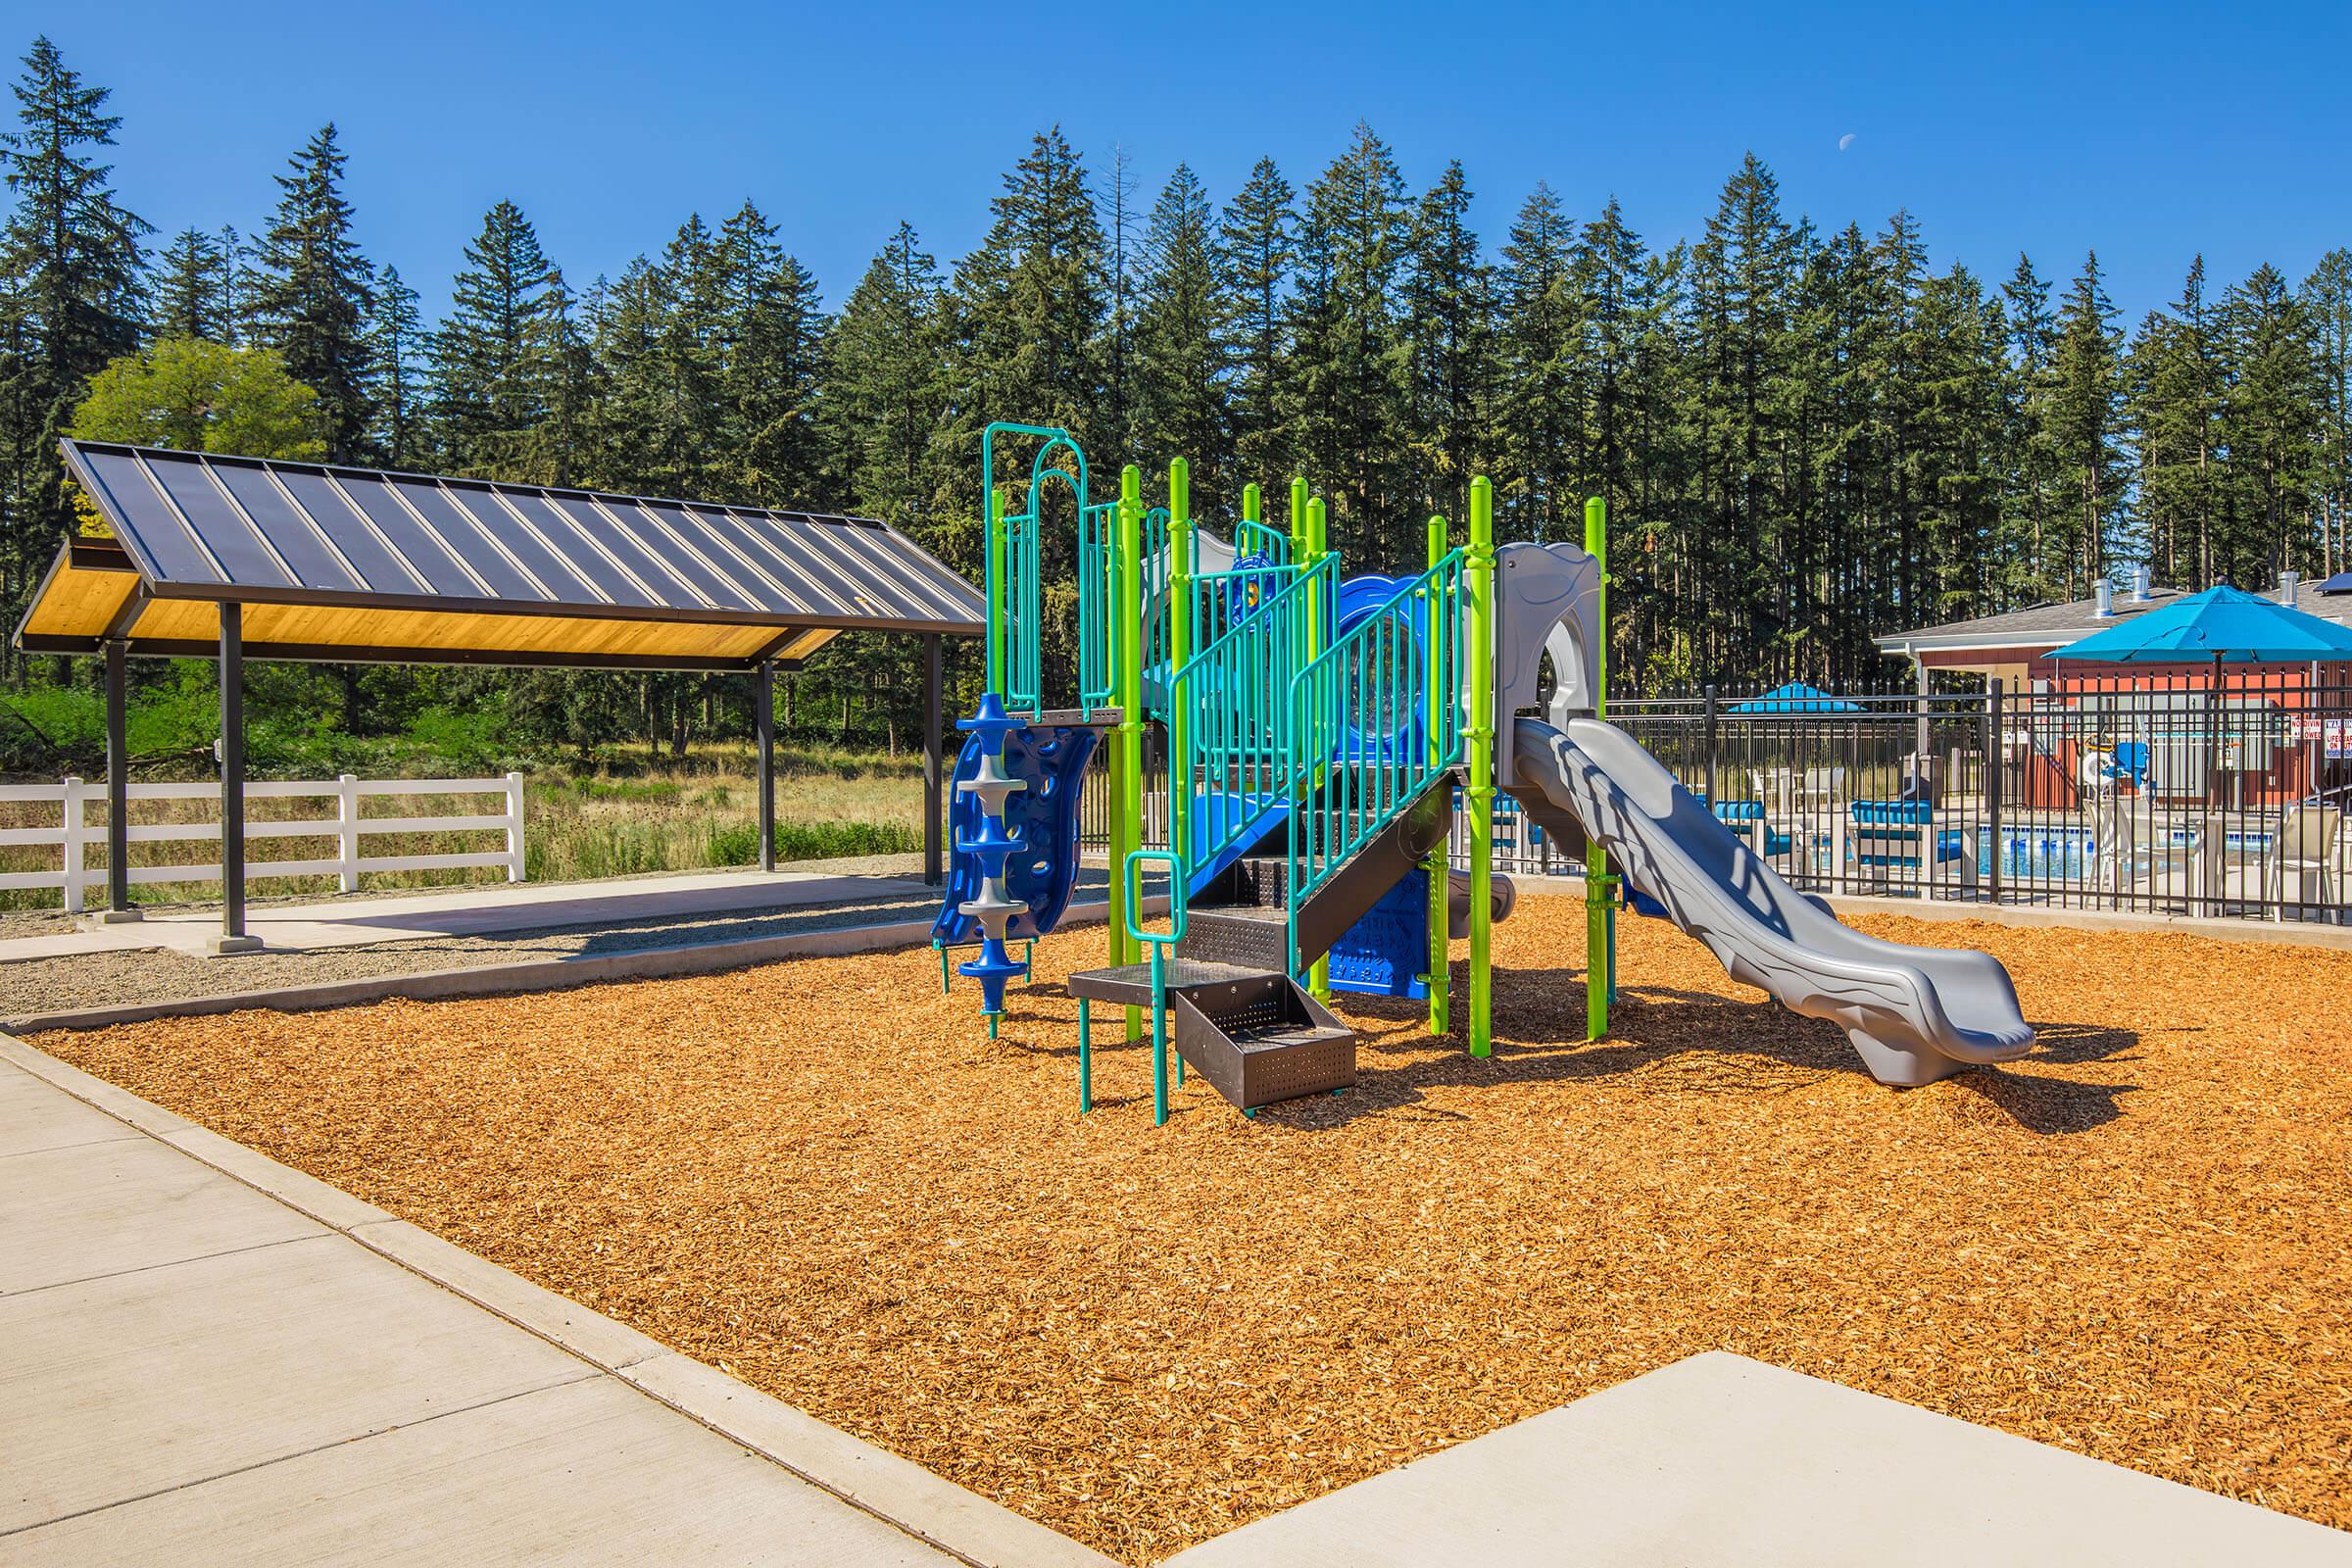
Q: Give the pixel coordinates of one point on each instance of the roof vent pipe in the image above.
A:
(2105, 590)
(2139, 583)
(2286, 588)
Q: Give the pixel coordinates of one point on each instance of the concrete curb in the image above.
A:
(2296, 934)
(536, 974)
(896, 1491)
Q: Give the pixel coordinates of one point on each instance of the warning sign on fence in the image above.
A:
(2333, 731)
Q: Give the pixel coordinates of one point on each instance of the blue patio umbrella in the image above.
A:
(1795, 698)
(2221, 624)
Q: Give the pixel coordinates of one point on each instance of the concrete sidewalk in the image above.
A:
(476, 910)
(1722, 1462)
(208, 1357)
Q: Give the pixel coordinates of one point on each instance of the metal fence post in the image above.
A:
(72, 844)
(1713, 800)
(515, 827)
(1995, 744)
(347, 832)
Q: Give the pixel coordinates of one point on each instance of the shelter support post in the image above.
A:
(933, 719)
(118, 785)
(1920, 747)
(233, 937)
(763, 725)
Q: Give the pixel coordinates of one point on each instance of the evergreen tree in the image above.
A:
(1126, 257)
(884, 382)
(1450, 331)
(493, 359)
(69, 257)
(2174, 408)
(1620, 324)
(193, 289)
(2326, 295)
(1350, 356)
(1743, 276)
(1179, 359)
(314, 293)
(1257, 237)
(1539, 414)
(775, 329)
(395, 345)
(2030, 341)
(2268, 425)
(2084, 429)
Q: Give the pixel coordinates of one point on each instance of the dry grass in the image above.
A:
(575, 826)
(821, 1176)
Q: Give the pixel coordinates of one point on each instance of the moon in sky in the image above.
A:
(1846, 141)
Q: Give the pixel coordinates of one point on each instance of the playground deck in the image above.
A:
(821, 1176)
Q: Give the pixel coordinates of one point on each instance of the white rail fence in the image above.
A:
(73, 836)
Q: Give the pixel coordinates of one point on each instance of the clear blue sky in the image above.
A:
(2152, 132)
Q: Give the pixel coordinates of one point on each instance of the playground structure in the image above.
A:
(1317, 729)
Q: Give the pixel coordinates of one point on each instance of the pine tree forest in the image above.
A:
(1805, 437)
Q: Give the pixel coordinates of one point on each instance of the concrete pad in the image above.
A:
(1720, 1460)
(476, 910)
(974, 1528)
(34, 1116)
(588, 1472)
(109, 1206)
(116, 1387)
(331, 1206)
(120, 1103)
(592, 1336)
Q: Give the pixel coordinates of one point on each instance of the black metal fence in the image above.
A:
(2218, 794)
(2159, 794)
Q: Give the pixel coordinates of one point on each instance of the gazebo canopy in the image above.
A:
(358, 565)
(2221, 623)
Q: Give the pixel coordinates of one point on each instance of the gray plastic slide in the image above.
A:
(1916, 1014)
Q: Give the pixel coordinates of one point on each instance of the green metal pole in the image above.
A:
(1478, 735)
(996, 589)
(1434, 698)
(1086, 1059)
(1600, 887)
(1319, 972)
(1180, 652)
(1128, 757)
(1253, 504)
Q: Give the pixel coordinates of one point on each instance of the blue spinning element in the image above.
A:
(992, 910)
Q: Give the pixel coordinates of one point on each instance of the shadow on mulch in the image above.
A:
(1653, 1025)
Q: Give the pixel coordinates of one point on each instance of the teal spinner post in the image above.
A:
(992, 848)
(1159, 941)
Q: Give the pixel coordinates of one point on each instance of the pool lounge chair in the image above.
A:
(1747, 819)
(2306, 845)
(1903, 844)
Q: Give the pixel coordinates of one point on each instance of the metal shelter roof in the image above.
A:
(361, 564)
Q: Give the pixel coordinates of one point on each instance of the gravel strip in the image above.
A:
(36, 986)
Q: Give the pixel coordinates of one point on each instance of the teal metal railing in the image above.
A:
(1234, 715)
(1097, 631)
(1378, 717)
(1223, 599)
(1012, 579)
(1261, 539)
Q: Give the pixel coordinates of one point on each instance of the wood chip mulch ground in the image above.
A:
(822, 1176)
